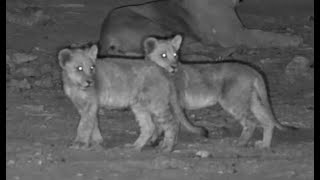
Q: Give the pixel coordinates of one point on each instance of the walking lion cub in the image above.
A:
(238, 88)
(141, 85)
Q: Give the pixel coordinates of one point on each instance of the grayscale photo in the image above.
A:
(159, 89)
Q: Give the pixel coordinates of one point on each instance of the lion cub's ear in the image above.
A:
(149, 45)
(176, 41)
(64, 56)
(93, 51)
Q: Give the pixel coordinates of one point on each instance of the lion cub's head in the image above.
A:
(163, 52)
(78, 65)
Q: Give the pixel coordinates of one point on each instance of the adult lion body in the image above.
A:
(211, 22)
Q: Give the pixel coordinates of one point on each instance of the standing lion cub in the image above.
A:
(141, 85)
(238, 88)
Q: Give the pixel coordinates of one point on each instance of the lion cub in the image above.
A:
(238, 88)
(143, 86)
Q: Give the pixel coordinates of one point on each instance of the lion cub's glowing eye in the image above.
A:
(80, 68)
(175, 55)
(164, 55)
(92, 68)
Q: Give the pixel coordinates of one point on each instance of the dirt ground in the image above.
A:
(41, 122)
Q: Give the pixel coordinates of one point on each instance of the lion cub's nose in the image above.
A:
(174, 68)
(89, 83)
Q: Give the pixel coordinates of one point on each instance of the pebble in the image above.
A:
(203, 154)
(290, 30)
(269, 60)
(79, 174)
(11, 162)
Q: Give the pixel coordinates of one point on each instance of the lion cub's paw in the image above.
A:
(77, 145)
(165, 147)
(96, 147)
(128, 145)
(133, 147)
(261, 145)
(242, 144)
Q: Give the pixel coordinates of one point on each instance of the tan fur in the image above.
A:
(119, 83)
(238, 88)
(165, 54)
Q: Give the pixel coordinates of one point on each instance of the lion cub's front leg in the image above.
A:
(88, 133)
(147, 127)
(170, 129)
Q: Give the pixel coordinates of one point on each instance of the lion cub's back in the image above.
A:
(227, 69)
(125, 78)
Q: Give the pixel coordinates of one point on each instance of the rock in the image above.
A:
(11, 162)
(20, 58)
(19, 84)
(10, 64)
(307, 27)
(56, 75)
(27, 16)
(203, 154)
(46, 82)
(26, 72)
(45, 68)
(35, 108)
(299, 66)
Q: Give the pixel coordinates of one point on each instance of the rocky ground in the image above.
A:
(41, 122)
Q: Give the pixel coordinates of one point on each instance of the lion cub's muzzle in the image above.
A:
(173, 68)
(88, 83)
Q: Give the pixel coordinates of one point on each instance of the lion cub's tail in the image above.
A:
(179, 114)
(260, 86)
(191, 127)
